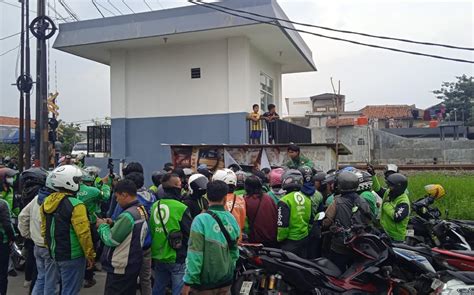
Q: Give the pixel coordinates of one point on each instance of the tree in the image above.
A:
(459, 97)
(68, 135)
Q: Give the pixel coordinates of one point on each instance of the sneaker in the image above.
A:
(12, 273)
(26, 284)
(89, 283)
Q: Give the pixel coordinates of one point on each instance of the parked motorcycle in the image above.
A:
(428, 228)
(286, 273)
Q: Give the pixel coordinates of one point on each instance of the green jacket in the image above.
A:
(7, 233)
(210, 262)
(8, 196)
(395, 229)
(316, 200)
(92, 198)
(298, 162)
(176, 218)
(294, 214)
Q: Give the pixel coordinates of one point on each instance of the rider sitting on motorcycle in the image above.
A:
(8, 183)
(395, 207)
(347, 209)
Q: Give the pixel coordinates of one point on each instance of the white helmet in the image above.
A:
(197, 183)
(66, 177)
(226, 175)
(92, 170)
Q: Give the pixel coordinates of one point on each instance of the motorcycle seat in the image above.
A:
(464, 252)
(419, 249)
(327, 267)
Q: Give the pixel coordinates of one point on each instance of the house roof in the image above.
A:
(388, 111)
(94, 39)
(12, 121)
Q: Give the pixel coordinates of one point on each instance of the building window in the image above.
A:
(321, 109)
(360, 141)
(195, 73)
(266, 91)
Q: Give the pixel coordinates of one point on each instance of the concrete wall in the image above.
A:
(383, 147)
(351, 137)
(156, 82)
(389, 148)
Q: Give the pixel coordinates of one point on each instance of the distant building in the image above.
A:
(390, 116)
(327, 102)
(10, 131)
(187, 75)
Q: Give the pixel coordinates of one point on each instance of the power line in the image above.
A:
(68, 9)
(341, 31)
(14, 5)
(9, 36)
(159, 3)
(105, 8)
(111, 4)
(97, 8)
(273, 23)
(128, 6)
(10, 50)
(149, 7)
(56, 12)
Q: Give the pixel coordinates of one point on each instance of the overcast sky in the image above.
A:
(368, 76)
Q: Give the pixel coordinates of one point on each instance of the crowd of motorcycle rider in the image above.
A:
(186, 226)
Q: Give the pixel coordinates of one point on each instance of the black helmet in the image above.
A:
(33, 176)
(263, 177)
(156, 178)
(292, 180)
(307, 173)
(346, 182)
(241, 176)
(197, 184)
(253, 185)
(319, 176)
(132, 167)
(390, 169)
(397, 183)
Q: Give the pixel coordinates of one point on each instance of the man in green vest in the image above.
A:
(294, 215)
(170, 224)
(7, 235)
(296, 158)
(395, 210)
(66, 228)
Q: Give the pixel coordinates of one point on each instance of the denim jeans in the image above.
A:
(48, 276)
(72, 275)
(164, 272)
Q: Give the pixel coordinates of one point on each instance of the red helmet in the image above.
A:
(275, 176)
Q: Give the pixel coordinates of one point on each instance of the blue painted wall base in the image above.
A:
(141, 139)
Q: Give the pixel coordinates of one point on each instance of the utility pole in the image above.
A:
(43, 28)
(336, 99)
(21, 125)
(27, 94)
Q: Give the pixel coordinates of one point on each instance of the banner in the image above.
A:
(222, 157)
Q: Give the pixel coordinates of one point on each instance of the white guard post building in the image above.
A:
(187, 75)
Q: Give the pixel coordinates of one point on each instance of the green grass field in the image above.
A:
(459, 198)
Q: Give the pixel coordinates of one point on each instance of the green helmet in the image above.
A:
(87, 176)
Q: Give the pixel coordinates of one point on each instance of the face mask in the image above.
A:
(10, 180)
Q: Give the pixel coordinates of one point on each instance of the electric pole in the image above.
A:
(21, 137)
(27, 94)
(43, 28)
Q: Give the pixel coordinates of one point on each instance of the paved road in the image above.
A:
(15, 285)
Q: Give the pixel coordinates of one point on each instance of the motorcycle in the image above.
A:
(456, 283)
(428, 228)
(286, 273)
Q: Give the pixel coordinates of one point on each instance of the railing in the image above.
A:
(98, 139)
(277, 132)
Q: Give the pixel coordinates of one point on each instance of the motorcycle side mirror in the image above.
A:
(320, 216)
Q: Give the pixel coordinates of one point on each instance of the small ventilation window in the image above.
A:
(360, 141)
(195, 73)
